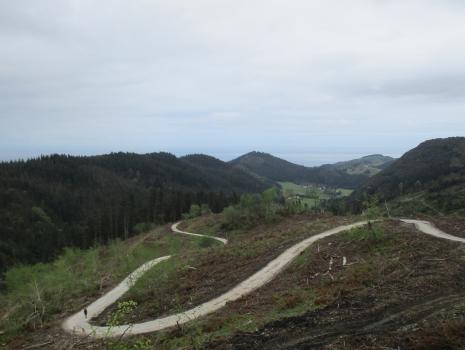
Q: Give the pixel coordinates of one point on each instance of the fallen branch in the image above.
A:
(329, 274)
(35, 346)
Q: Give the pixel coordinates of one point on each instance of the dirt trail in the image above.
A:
(174, 228)
(78, 324)
(429, 229)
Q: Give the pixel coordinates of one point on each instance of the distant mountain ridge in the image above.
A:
(349, 174)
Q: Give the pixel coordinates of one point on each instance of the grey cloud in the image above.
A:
(446, 86)
(82, 76)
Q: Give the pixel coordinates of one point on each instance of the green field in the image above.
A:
(312, 194)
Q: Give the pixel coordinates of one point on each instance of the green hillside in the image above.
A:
(268, 167)
(368, 165)
(429, 177)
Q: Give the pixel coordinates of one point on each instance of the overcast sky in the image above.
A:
(311, 81)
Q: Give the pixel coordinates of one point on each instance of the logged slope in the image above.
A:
(266, 166)
(435, 169)
(393, 292)
(79, 324)
(56, 201)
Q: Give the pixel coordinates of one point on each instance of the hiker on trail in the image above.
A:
(85, 313)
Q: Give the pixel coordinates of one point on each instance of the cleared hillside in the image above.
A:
(353, 290)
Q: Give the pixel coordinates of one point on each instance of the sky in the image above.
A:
(311, 81)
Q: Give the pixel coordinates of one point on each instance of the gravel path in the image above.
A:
(79, 324)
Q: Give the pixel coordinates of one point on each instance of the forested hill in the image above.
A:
(56, 201)
(434, 170)
(225, 172)
(268, 167)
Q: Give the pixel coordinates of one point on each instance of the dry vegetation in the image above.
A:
(402, 289)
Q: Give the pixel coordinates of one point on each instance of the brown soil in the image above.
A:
(400, 287)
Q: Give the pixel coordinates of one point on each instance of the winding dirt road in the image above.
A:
(174, 228)
(79, 324)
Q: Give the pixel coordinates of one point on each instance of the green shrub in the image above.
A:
(35, 293)
(205, 209)
(196, 211)
(124, 308)
(372, 210)
(255, 208)
(206, 242)
(142, 227)
(373, 232)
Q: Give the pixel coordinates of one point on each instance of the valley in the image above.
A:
(312, 195)
(232, 175)
(280, 267)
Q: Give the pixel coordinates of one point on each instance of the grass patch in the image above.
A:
(311, 195)
(218, 327)
(35, 293)
(148, 288)
(373, 233)
(293, 302)
(344, 192)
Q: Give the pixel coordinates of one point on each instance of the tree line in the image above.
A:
(58, 201)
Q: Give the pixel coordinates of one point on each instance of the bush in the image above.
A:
(143, 227)
(255, 208)
(34, 293)
(372, 233)
(205, 209)
(372, 210)
(196, 210)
